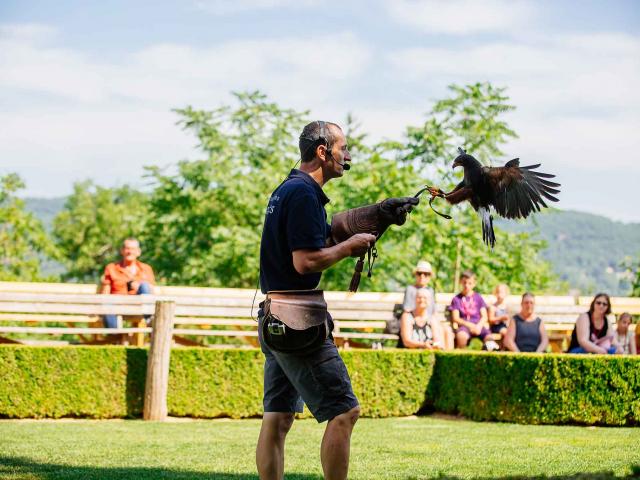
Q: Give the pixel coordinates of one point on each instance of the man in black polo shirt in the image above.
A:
(296, 247)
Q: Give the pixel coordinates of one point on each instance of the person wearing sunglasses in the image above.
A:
(593, 333)
(422, 274)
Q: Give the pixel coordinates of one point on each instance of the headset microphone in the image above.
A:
(344, 165)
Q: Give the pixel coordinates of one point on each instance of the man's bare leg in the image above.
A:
(270, 450)
(334, 452)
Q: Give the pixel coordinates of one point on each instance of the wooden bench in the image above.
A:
(213, 312)
(31, 308)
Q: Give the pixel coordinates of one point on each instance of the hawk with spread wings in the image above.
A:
(513, 191)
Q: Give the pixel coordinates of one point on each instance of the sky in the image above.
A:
(87, 88)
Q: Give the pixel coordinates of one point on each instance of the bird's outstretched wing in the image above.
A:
(517, 191)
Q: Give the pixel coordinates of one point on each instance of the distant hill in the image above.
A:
(45, 208)
(585, 250)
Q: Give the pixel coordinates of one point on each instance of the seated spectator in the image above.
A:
(469, 312)
(593, 333)
(423, 273)
(498, 312)
(625, 337)
(420, 329)
(127, 277)
(526, 332)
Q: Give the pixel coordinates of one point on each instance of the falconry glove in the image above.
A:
(373, 219)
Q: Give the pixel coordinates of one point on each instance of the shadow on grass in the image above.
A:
(16, 467)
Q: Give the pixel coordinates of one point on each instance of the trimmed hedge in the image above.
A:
(105, 382)
(217, 383)
(95, 382)
(539, 389)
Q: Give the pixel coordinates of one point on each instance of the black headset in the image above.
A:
(317, 138)
(320, 138)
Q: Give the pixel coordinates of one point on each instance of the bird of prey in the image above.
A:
(513, 191)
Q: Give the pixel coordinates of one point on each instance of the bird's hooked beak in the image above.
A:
(456, 163)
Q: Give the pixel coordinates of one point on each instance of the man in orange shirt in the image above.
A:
(127, 277)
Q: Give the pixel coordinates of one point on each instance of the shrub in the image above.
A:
(104, 382)
(95, 382)
(536, 388)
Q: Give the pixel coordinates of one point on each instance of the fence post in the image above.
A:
(155, 390)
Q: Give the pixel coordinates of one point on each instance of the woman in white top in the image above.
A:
(420, 329)
(625, 337)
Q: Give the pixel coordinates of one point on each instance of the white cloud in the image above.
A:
(577, 95)
(557, 72)
(27, 31)
(224, 7)
(174, 74)
(74, 116)
(51, 148)
(70, 114)
(461, 17)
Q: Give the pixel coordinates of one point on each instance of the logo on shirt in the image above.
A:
(273, 199)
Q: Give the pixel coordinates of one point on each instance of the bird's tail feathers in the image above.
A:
(488, 235)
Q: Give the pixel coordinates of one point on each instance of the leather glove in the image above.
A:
(374, 219)
(394, 210)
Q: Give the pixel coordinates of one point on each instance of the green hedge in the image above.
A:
(103, 382)
(95, 382)
(214, 383)
(535, 388)
(106, 382)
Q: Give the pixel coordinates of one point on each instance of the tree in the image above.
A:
(471, 118)
(23, 240)
(632, 271)
(201, 222)
(91, 228)
(207, 218)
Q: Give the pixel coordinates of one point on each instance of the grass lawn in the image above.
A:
(426, 447)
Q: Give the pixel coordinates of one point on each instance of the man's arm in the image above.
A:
(317, 260)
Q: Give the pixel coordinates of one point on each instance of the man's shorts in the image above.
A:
(483, 333)
(319, 379)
